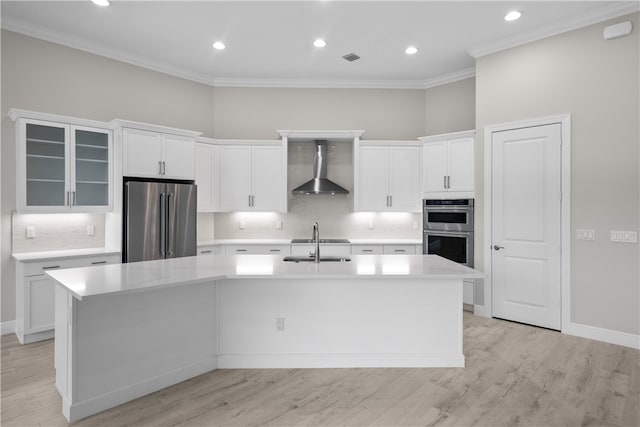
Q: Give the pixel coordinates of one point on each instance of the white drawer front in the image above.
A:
(257, 250)
(209, 250)
(366, 249)
(399, 249)
(39, 267)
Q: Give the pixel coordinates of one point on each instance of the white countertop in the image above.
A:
(148, 275)
(215, 242)
(69, 253)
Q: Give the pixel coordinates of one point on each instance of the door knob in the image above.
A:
(497, 248)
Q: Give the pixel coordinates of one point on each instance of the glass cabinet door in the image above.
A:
(45, 164)
(91, 167)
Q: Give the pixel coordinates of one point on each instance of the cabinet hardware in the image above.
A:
(249, 200)
(444, 181)
(367, 250)
(497, 248)
(253, 200)
(448, 181)
(98, 262)
(274, 250)
(51, 267)
(387, 201)
(241, 250)
(74, 198)
(390, 201)
(68, 199)
(206, 252)
(164, 168)
(159, 167)
(398, 250)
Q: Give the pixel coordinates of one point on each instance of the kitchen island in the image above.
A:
(123, 331)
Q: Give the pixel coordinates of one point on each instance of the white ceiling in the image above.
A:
(270, 43)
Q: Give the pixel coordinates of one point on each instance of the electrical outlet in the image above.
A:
(91, 230)
(278, 225)
(241, 225)
(31, 232)
(280, 324)
(585, 234)
(415, 225)
(370, 225)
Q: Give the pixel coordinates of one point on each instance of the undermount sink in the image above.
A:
(312, 259)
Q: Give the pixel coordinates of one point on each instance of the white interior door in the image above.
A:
(526, 225)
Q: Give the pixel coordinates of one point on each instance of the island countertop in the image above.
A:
(148, 275)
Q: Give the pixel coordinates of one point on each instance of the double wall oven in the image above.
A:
(448, 229)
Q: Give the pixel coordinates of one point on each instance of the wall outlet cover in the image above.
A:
(91, 230)
(31, 232)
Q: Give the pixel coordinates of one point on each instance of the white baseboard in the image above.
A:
(85, 408)
(600, 334)
(481, 310)
(302, 361)
(8, 327)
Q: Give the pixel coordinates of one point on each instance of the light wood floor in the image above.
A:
(515, 375)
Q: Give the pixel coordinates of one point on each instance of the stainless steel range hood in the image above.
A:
(320, 184)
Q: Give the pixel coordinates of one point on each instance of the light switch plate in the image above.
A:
(241, 225)
(370, 225)
(585, 234)
(31, 232)
(91, 230)
(278, 225)
(624, 236)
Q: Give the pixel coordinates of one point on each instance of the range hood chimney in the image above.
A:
(320, 184)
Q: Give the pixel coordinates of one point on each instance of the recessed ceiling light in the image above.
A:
(319, 43)
(411, 50)
(102, 3)
(512, 16)
(219, 45)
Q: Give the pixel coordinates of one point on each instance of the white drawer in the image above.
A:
(257, 249)
(39, 267)
(400, 249)
(366, 249)
(209, 250)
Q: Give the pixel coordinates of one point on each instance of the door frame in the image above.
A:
(564, 120)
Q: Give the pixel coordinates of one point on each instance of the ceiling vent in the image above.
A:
(351, 57)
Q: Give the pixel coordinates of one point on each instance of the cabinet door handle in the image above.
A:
(51, 267)
(387, 201)
(444, 181)
(74, 198)
(98, 262)
(164, 168)
(390, 201)
(159, 167)
(253, 200)
(68, 200)
(249, 202)
(448, 181)
(206, 252)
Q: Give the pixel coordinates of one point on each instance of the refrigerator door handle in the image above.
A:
(168, 228)
(163, 224)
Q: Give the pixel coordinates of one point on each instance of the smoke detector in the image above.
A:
(351, 57)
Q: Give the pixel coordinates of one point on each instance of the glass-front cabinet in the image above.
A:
(63, 167)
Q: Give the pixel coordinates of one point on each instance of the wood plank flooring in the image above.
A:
(516, 375)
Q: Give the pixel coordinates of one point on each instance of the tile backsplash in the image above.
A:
(56, 231)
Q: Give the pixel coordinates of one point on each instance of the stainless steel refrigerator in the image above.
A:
(159, 220)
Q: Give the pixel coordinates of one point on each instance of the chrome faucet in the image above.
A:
(316, 241)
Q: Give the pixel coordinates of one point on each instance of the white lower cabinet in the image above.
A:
(367, 249)
(467, 292)
(35, 294)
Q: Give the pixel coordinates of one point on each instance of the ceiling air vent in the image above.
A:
(351, 57)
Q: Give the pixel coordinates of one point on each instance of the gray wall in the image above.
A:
(451, 107)
(597, 82)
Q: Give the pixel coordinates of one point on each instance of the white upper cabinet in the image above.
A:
(208, 176)
(388, 176)
(253, 178)
(449, 165)
(62, 165)
(151, 154)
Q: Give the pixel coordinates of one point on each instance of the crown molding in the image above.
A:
(609, 12)
(31, 30)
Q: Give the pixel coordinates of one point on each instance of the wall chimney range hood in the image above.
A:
(320, 184)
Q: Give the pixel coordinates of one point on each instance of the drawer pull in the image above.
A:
(399, 250)
(274, 250)
(241, 250)
(98, 262)
(367, 250)
(206, 252)
(51, 267)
